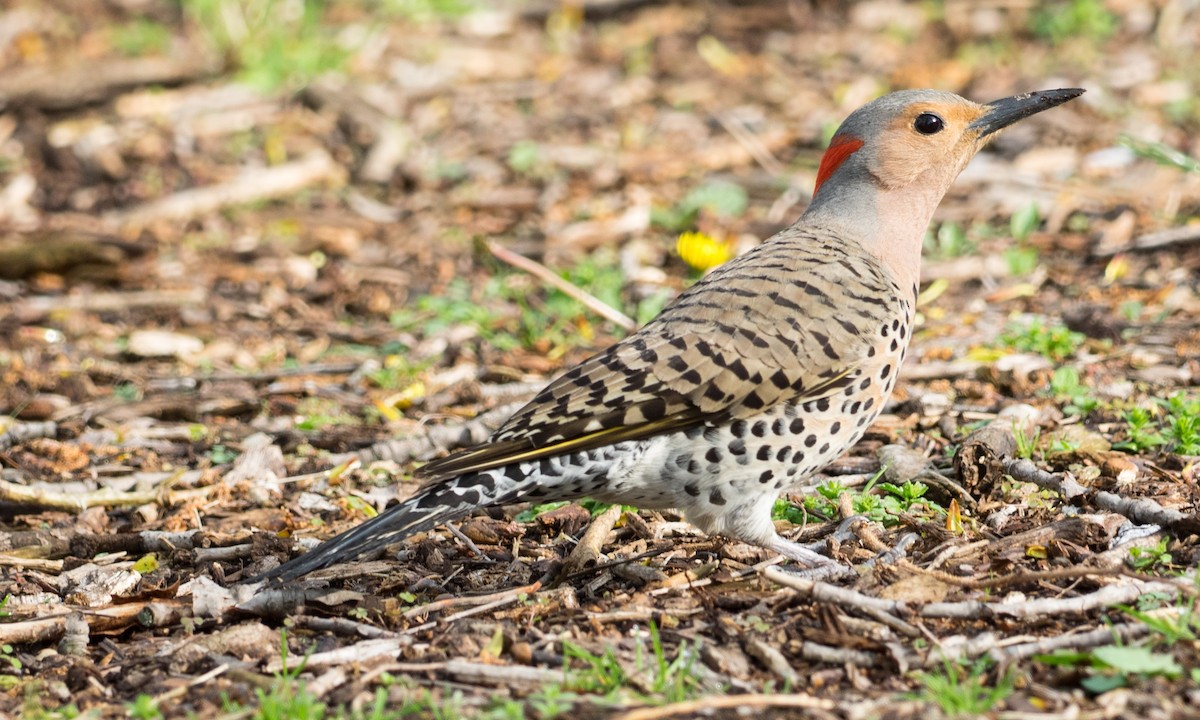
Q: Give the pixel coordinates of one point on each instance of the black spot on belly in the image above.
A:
(767, 476)
(713, 455)
(692, 489)
(715, 497)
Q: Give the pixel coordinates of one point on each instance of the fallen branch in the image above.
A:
(24, 432)
(588, 550)
(439, 605)
(249, 186)
(1153, 241)
(1141, 510)
(35, 308)
(697, 708)
(541, 272)
(43, 497)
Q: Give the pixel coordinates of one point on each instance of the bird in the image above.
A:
(754, 378)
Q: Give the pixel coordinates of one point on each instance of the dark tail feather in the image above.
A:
(436, 504)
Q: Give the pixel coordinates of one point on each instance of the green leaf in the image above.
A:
(1066, 658)
(1140, 660)
(721, 197)
(1021, 260)
(1025, 221)
(1097, 684)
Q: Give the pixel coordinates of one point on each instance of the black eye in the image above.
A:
(929, 124)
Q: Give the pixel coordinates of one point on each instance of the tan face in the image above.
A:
(926, 136)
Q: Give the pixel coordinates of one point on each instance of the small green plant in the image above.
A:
(1148, 558)
(143, 707)
(141, 37)
(719, 197)
(524, 157)
(1024, 222)
(601, 674)
(1065, 385)
(1182, 625)
(1021, 259)
(883, 506)
(1161, 154)
(964, 691)
(1141, 431)
(1183, 434)
(674, 680)
(1055, 342)
(1027, 437)
(950, 241)
(1116, 665)
(423, 11)
(221, 455)
(276, 43)
(1063, 21)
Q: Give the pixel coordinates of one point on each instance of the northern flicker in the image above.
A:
(753, 379)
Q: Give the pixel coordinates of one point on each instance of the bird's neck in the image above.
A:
(890, 226)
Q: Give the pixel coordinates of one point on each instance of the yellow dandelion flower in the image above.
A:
(703, 252)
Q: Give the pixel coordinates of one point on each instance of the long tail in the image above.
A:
(441, 502)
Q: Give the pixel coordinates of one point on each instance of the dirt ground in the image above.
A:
(256, 266)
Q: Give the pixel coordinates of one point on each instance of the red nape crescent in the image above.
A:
(842, 147)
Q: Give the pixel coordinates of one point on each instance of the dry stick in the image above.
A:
(438, 605)
(361, 652)
(35, 308)
(1099, 636)
(1142, 511)
(547, 276)
(341, 626)
(693, 708)
(49, 629)
(1155, 240)
(477, 673)
(753, 145)
(1104, 597)
(45, 498)
(249, 186)
(24, 432)
(588, 549)
(51, 566)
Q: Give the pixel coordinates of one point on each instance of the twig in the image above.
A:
(1154, 240)
(588, 549)
(360, 653)
(753, 145)
(49, 629)
(50, 566)
(477, 673)
(440, 605)
(35, 308)
(249, 186)
(547, 276)
(341, 626)
(696, 708)
(1142, 511)
(24, 432)
(105, 497)
(1100, 636)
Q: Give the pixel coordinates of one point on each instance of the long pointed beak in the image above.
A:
(1004, 112)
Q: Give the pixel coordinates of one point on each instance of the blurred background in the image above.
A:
(333, 222)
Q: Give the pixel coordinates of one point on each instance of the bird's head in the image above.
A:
(891, 162)
(922, 135)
